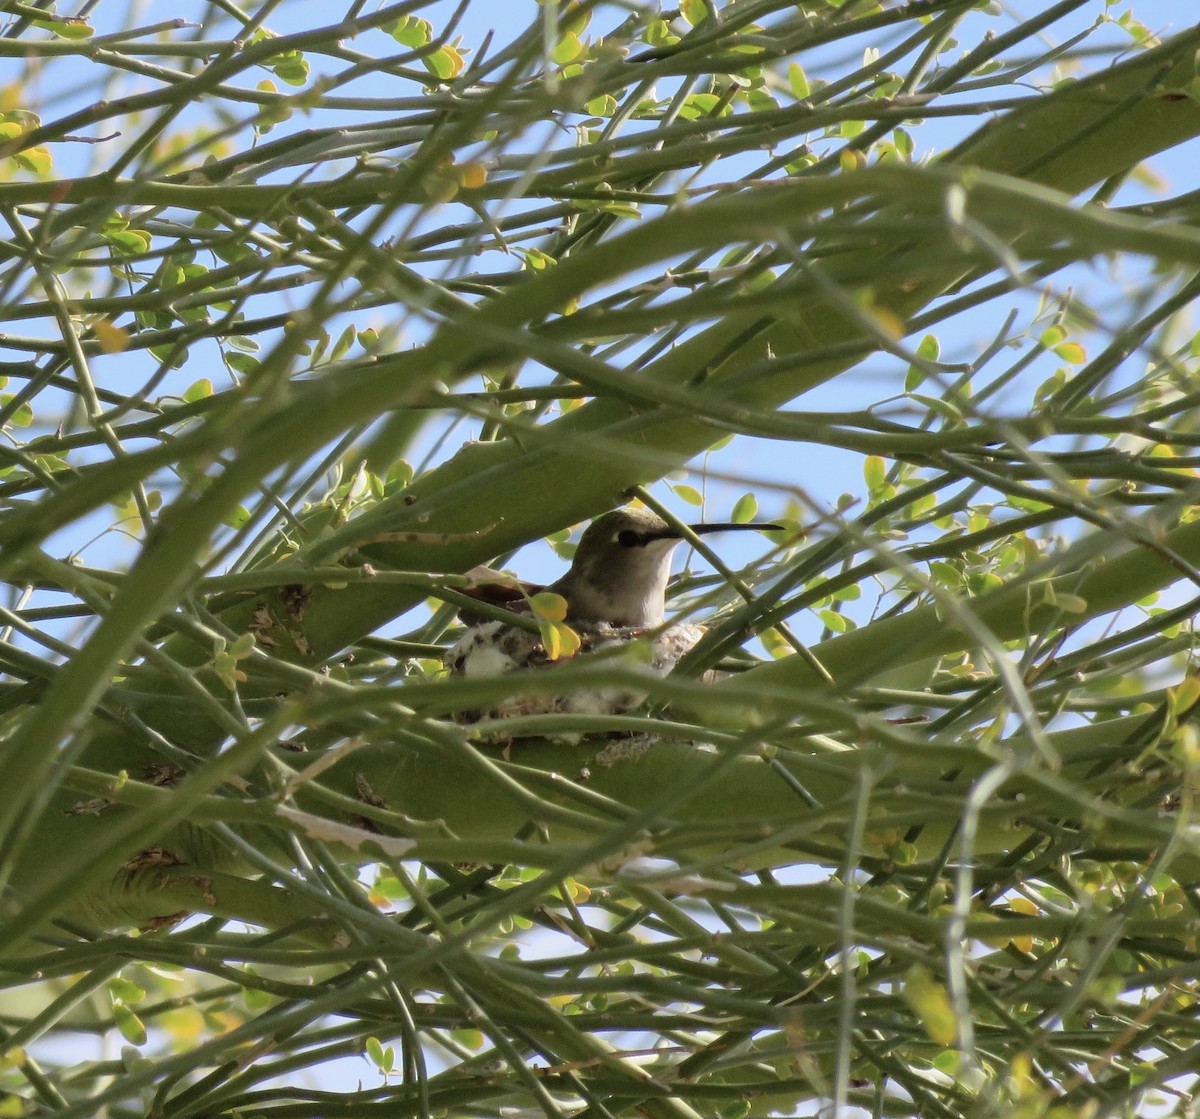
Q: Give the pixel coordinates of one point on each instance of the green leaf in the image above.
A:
(130, 241)
(198, 390)
(35, 159)
(22, 415)
(411, 31)
(798, 80)
(832, 620)
(242, 363)
(398, 476)
(66, 27)
(928, 1000)
(446, 63)
(874, 472)
(548, 605)
(567, 49)
(130, 1025)
(559, 640)
(238, 517)
(744, 509)
(125, 990)
(342, 346)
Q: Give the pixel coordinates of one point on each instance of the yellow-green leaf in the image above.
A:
(113, 339)
(125, 990)
(412, 31)
(22, 415)
(798, 80)
(37, 160)
(131, 1026)
(928, 1000)
(874, 472)
(67, 27)
(446, 63)
(559, 640)
(548, 605)
(567, 49)
(199, 390)
(1071, 352)
(744, 509)
(129, 241)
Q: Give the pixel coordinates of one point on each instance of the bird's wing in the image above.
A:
(496, 589)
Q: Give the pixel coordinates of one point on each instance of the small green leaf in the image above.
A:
(567, 49)
(945, 573)
(125, 990)
(446, 63)
(798, 80)
(411, 31)
(1071, 352)
(537, 260)
(744, 509)
(928, 1000)
(242, 363)
(343, 344)
(23, 414)
(291, 68)
(130, 1025)
(129, 241)
(559, 640)
(36, 160)
(874, 472)
(199, 390)
(689, 494)
(255, 998)
(834, 621)
(548, 605)
(606, 104)
(400, 474)
(66, 27)
(242, 647)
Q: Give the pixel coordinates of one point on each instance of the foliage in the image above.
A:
(321, 317)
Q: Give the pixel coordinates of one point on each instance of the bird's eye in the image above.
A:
(627, 538)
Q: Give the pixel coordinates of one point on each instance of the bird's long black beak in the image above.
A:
(727, 526)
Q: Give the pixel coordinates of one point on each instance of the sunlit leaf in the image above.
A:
(744, 509)
(131, 1026)
(928, 1000)
(113, 339)
(550, 606)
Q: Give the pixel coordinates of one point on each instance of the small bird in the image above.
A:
(616, 594)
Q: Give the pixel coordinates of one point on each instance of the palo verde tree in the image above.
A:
(307, 312)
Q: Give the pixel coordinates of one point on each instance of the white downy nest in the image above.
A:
(495, 648)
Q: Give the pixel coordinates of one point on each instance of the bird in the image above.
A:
(615, 595)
